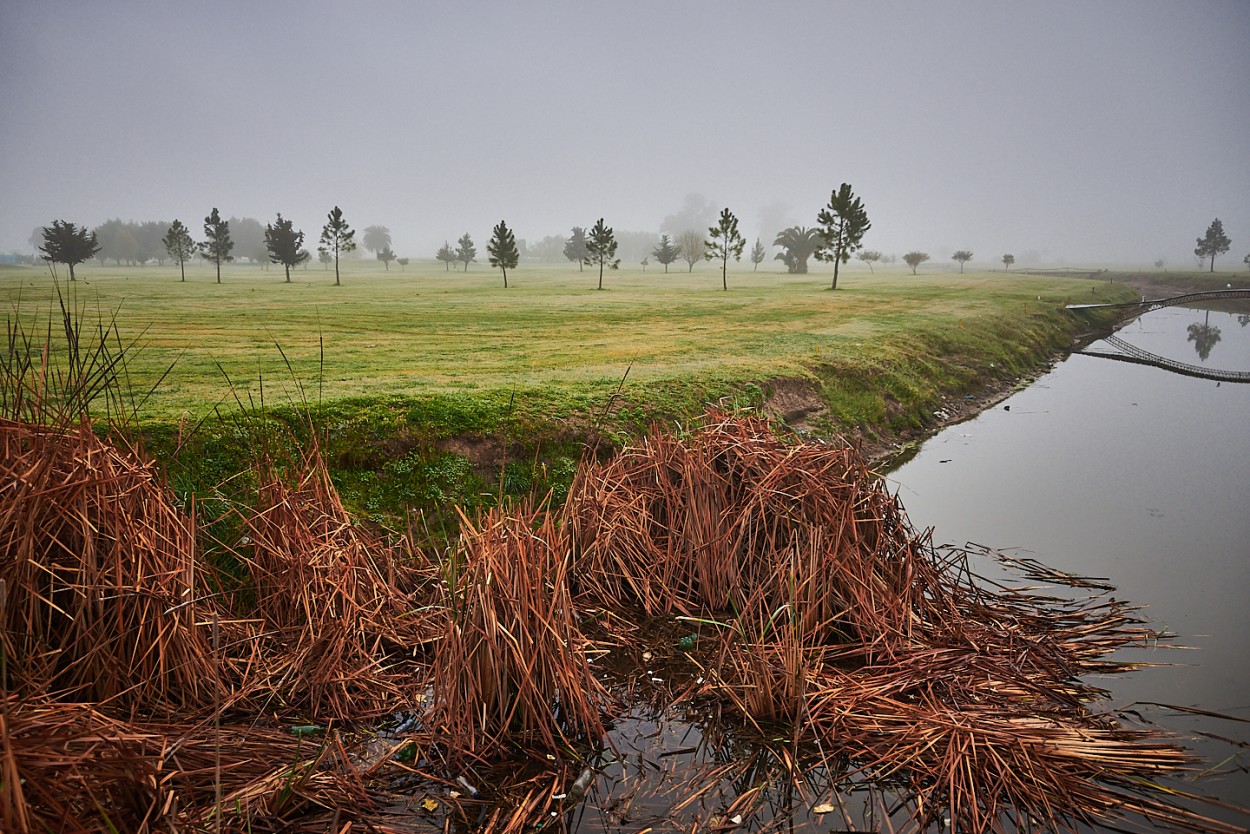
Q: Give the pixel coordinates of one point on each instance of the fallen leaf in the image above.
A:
(429, 804)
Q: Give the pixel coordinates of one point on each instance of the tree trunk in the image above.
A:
(601, 274)
(336, 271)
(724, 267)
(288, 272)
(505, 276)
(837, 259)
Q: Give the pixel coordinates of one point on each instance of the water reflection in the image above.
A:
(1204, 336)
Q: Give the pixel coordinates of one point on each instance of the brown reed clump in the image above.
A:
(511, 667)
(336, 604)
(99, 574)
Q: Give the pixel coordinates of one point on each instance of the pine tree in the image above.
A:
(757, 254)
(667, 252)
(1213, 243)
(601, 249)
(217, 243)
(447, 255)
(179, 245)
(724, 242)
(502, 250)
(466, 251)
(285, 244)
(337, 238)
(842, 226)
(65, 243)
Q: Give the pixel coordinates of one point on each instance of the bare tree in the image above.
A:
(692, 247)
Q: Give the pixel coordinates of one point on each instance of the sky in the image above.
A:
(1065, 131)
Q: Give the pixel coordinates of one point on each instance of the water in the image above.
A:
(1136, 474)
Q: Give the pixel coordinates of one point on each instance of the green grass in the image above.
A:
(399, 364)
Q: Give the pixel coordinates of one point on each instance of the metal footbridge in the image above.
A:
(1146, 305)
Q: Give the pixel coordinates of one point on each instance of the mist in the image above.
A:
(1063, 132)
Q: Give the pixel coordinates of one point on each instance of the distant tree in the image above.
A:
(697, 212)
(666, 252)
(217, 243)
(1008, 260)
(888, 259)
(502, 250)
(447, 255)
(691, 246)
(601, 249)
(35, 240)
(575, 247)
(963, 256)
(724, 242)
(325, 257)
(1159, 263)
(799, 244)
(375, 239)
(151, 244)
(1246, 260)
(337, 238)
(644, 263)
(842, 226)
(915, 259)
(285, 244)
(1204, 335)
(466, 251)
(117, 241)
(757, 255)
(303, 257)
(386, 256)
(1213, 243)
(179, 245)
(869, 256)
(65, 243)
(248, 235)
(403, 263)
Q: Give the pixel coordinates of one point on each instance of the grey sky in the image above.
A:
(1078, 130)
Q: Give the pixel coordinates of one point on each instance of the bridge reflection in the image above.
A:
(1126, 352)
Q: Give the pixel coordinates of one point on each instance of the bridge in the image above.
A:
(1146, 306)
(1131, 353)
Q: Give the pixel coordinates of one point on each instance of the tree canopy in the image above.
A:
(179, 245)
(502, 250)
(1213, 243)
(869, 256)
(915, 259)
(466, 251)
(386, 255)
(1008, 260)
(757, 254)
(65, 243)
(575, 247)
(724, 242)
(447, 255)
(798, 243)
(375, 239)
(666, 252)
(962, 256)
(285, 244)
(691, 246)
(217, 243)
(601, 249)
(842, 225)
(337, 238)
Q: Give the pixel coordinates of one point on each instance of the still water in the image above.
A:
(1136, 474)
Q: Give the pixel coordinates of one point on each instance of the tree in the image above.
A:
(375, 239)
(1246, 260)
(842, 226)
(963, 256)
(248, 234)
(217, 243)
(1008, 260)
(325, 258)
(117, 241)
(403, 263)
(285, 244)
(723, 242)
(799, 244)
(1213, 243)
(1159, 263)
(151, 244)
(915, 259)
(65, 243)
(466, 251)
(1204, 336)
(575, 247)
(179, 245)
(337, 238)
(869, 256)
(386, 256)
(502, 250)
(447, 255)
(757, 254)
(644, 262)
(601, 249)
(691, 246)
(666, 252)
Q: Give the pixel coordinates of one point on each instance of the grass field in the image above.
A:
(436, 388)
(550, 338)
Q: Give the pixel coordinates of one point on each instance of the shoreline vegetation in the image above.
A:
(211, 640)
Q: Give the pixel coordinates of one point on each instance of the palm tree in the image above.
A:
(800, 244)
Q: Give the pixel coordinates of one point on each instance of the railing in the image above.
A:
(1147, 305)
(1136, 355)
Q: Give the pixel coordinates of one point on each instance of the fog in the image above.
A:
(1063, 131)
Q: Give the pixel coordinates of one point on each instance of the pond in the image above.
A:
(1136, 474)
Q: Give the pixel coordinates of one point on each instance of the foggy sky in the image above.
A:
(1068, 129)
